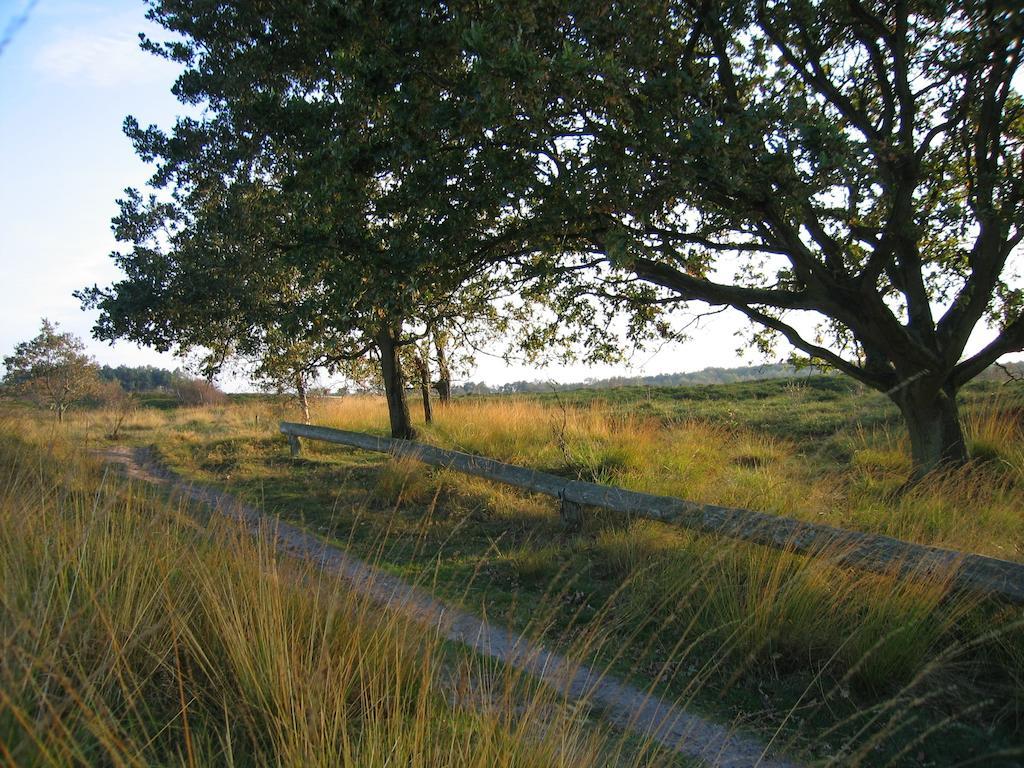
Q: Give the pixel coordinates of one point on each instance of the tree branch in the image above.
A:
(1010, 340)
(689, 287)
(793, 337)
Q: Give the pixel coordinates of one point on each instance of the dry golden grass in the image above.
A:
(975, 508)
(725, 606)
(134, 634)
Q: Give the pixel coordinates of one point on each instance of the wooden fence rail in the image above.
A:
(865, 551)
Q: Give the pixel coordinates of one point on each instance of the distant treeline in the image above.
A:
(705, 376)
(148, 378)
(1002, 372)
(184, 388)
(142, 378)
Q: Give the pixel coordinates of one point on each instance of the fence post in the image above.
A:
(569, 512)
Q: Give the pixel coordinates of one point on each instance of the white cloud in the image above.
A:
(104, 55)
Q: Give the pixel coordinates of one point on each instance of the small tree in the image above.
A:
(421, 362)
(52, 370)
(295, 379)
(443, 385)
(290, 366)
(119, 403)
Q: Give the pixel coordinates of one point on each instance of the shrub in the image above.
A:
(202, 392)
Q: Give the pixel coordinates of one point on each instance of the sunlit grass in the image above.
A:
(973, 509)
(135, 634)
(855, 656)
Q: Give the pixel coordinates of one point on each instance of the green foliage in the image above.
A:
(361, 172)
(139, 378)
(335, 197)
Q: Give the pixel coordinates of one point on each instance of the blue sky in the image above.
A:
(68, 78)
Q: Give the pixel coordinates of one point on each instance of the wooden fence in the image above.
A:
(865, 551)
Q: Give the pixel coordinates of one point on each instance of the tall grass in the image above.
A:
(975, 508)
(763, 613)
(132, 633)
(868, 664)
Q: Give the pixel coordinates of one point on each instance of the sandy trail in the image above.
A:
(622, 704)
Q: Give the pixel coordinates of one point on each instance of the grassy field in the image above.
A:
(834, 665)
(137, 632)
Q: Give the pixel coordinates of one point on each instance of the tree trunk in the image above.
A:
(300, 389)
(394, 385)
(444, 376)
(933, 421)
(423, 369)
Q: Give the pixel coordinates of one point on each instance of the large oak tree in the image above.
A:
(856, 162)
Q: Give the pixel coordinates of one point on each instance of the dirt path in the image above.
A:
(620, 703)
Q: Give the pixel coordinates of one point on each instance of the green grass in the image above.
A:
(843, 666)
